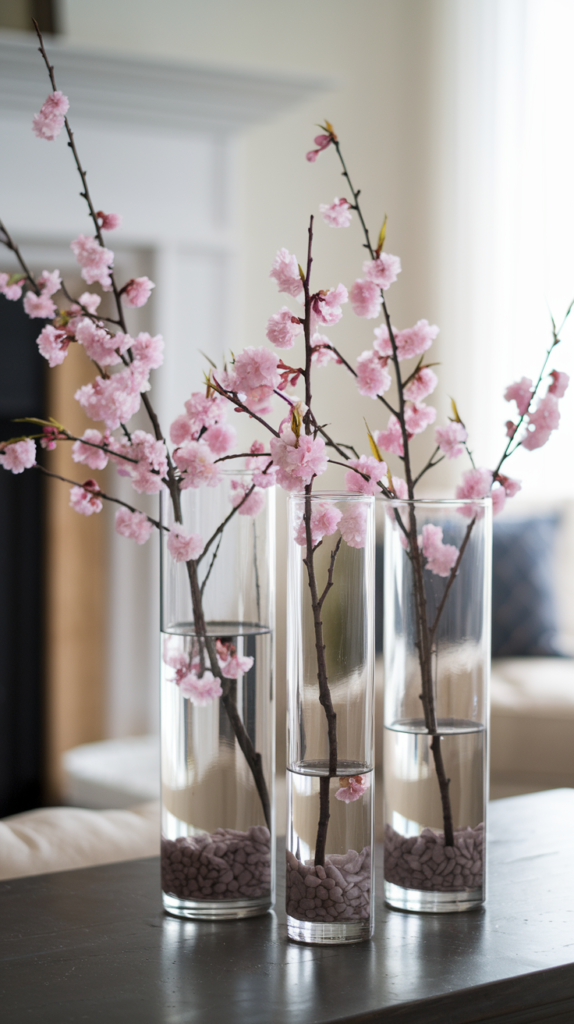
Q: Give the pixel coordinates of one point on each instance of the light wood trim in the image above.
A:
(76, 574)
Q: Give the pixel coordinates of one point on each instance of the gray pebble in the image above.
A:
(339, 891)
(423, 862)
(215, 866)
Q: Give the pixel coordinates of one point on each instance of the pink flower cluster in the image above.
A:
(298, 459)
(85, 498)
(285, 271)
(321, 141)
(283, 328)
(325, 519)
(326, 306)
(115, 399)
(336, 214)
(368, 466)
(540, 422)
(143, 459)
(18, 456)
(95, 260)
(137, 291)
(133, 525)
(373, 378)
(231, 663)
(255, 375)
(49, 122)
(11, 286)
(109, 221)
(451, 439)
(247, 504)
(41, 306)
(440, 557)
(352, 787)
(183, 546)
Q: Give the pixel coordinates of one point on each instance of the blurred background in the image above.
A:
(194, 118)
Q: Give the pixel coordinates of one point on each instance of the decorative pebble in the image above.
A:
(339, 891)
(228, 865)
(423, 862)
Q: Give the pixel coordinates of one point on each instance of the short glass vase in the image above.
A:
(217, 705)
(437, 569)
(329, 870)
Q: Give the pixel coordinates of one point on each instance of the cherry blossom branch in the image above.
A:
(99, 494)
(451, 580)
(229, 516)
(252, 756)
(9, 242)
(211, 564)
(233, 397)
(351, 369)
(430, 464)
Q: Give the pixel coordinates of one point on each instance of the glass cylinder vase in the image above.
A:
(437, 667)
(329, 879)
(217, 702)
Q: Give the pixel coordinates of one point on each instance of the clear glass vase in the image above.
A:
(437, 670)
(329, 880)
(218, 724)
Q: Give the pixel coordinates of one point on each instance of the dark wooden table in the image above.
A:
(93, 946)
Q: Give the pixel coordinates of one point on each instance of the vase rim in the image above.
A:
(335, 495)
(480, 502)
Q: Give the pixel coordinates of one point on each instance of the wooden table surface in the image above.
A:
(94, 946)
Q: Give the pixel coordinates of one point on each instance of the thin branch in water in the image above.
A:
(211, 564)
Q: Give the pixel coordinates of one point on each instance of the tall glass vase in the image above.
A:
(329, 881)
(217, 705)
(437, 669)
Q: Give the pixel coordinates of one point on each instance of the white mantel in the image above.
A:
(160, 142)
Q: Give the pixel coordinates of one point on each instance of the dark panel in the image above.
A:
(21, 571)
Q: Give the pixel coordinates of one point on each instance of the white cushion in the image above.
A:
(112, 773)
(61, 838)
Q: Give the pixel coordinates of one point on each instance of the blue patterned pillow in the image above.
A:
(524, 618)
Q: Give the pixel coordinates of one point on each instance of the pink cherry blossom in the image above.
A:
(353, 525)
(203, 410)
(180, 430)
(109, 221)
(90, 301)
(99, 344)
(365, 298)
(372, 376)
(95, 458)
(336, 214)
(418, 417)
(250, 506)
(450, 439)
(114, 400)
(85, 499)
(499, 496)
(511, 428)
(367, 464)
(133, 525)
(235, 666)
(297, 460)
(382, 342)
(39, 306)
(256, 375)
(391, 439)
(512, 487)
(49, 438)
(53, 345)
(143, 459)
(421, 385)
(326, 306)
(560, 381)
(383, 271)
(174, 657)
(476, 483)
(415, 340)
(148, 350)
(201, 691)
(547, 413)
(322, 141)
(400, 488)
(196, 463)
(440, 557)
(351, 788)
(285, 270)
(10, 291)
(182, 546)
(283, 327)
(265, 473)
(536, 438)
(18, 456)
(322, 354)
(521, 393)
(49, 122)
(94, 259)
(221, 438)
(325, 519)
(50, 282)
(138, 291)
